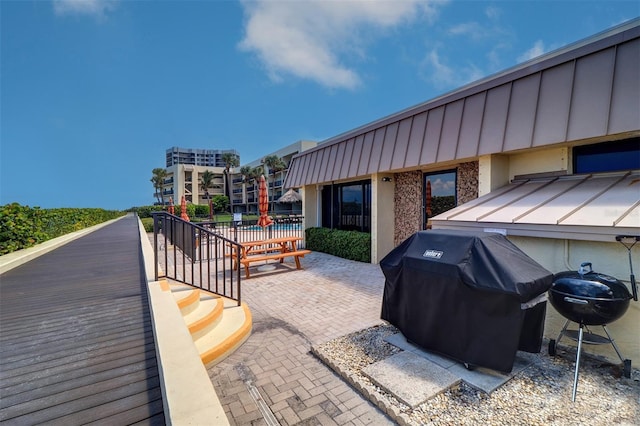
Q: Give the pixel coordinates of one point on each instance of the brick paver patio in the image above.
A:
(293, 310)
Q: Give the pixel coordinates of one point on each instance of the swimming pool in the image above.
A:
(276, 227)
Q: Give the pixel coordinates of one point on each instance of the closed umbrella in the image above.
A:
(265, 220)
(171, 208)
(183, 209)
(263, 204)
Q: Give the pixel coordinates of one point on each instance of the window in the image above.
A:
(439, 194)
(607, 156)
(347, 206)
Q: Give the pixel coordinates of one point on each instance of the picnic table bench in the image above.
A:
(270, 249)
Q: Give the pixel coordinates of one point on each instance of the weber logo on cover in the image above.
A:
(433, 254)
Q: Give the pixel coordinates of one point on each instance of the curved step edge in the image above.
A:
(231, 343)
(207, 322)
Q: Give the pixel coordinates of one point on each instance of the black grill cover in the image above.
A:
(460, 294)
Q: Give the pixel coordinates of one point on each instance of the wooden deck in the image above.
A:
(76, 342)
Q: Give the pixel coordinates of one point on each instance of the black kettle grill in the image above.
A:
(589, 298)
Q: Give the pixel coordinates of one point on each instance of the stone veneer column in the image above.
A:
(408, 198)
(467, 186)
(408, 205)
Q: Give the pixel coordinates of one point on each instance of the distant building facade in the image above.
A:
(197, 157)
(185, 167)
(244, 192)
(184, 179)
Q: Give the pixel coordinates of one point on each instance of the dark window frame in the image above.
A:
(425, 176)
(334, 212)
(607, 156)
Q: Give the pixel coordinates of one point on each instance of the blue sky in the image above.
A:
(93, 92)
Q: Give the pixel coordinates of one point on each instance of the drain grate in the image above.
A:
(268, 415)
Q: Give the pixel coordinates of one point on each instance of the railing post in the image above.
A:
(155, 247)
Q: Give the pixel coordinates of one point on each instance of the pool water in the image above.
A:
(277, 227)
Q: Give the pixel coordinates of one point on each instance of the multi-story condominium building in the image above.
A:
(184, 179)
(185, 167)
(197, 157)
(244, 192)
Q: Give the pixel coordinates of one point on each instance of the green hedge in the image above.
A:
(351, 245)
(146, 211)
(23, 226)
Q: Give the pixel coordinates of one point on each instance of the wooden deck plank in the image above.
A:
(76, 342)
(41, 399)
(19, 366)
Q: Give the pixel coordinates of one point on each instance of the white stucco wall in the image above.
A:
(495, 171)
(382, 216)
(541, 161)
(310, 204)
(607, 258)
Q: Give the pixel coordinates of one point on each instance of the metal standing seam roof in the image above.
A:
(590, 207)
(589, 89)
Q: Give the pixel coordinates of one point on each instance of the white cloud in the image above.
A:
(492, 12)
(443, 76)
(471, 29)
(317, 40)
(97, 8)
(535, 51)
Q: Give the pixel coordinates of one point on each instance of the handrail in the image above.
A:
(196, 256)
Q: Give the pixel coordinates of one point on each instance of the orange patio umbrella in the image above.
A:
(171, 209)
(183, 209)
(263, 204)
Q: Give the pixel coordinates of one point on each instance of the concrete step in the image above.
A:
(206, 316)
(187, 297)
(218, 326)
(231, 332)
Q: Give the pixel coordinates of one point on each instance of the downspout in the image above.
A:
(566, 256)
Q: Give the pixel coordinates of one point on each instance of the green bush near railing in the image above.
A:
(23, 226)
(146, 211)
(351, 245)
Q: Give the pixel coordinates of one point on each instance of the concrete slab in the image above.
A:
(410, 377)
(488, 380)
(401, 342)
(483, 379)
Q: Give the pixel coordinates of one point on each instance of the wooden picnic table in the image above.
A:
(270, 249)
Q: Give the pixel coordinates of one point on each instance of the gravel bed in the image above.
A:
(539, 395)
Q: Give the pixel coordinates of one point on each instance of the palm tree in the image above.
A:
(159, 175)
(245, 171)
(253, 176)
(275, 165)
(230, 160)
(206, 182)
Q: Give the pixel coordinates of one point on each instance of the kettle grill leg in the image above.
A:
(627, 368)
(604, 327)
(575, 375)
(564, 328)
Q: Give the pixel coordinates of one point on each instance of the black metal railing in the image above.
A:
(197, 255)
(248, 230)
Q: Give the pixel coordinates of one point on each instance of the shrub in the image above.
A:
(353, 245)
(220, 203)
(20, 227)
(146, 211)
(147, 223)
(201, 210)
(23, 226)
